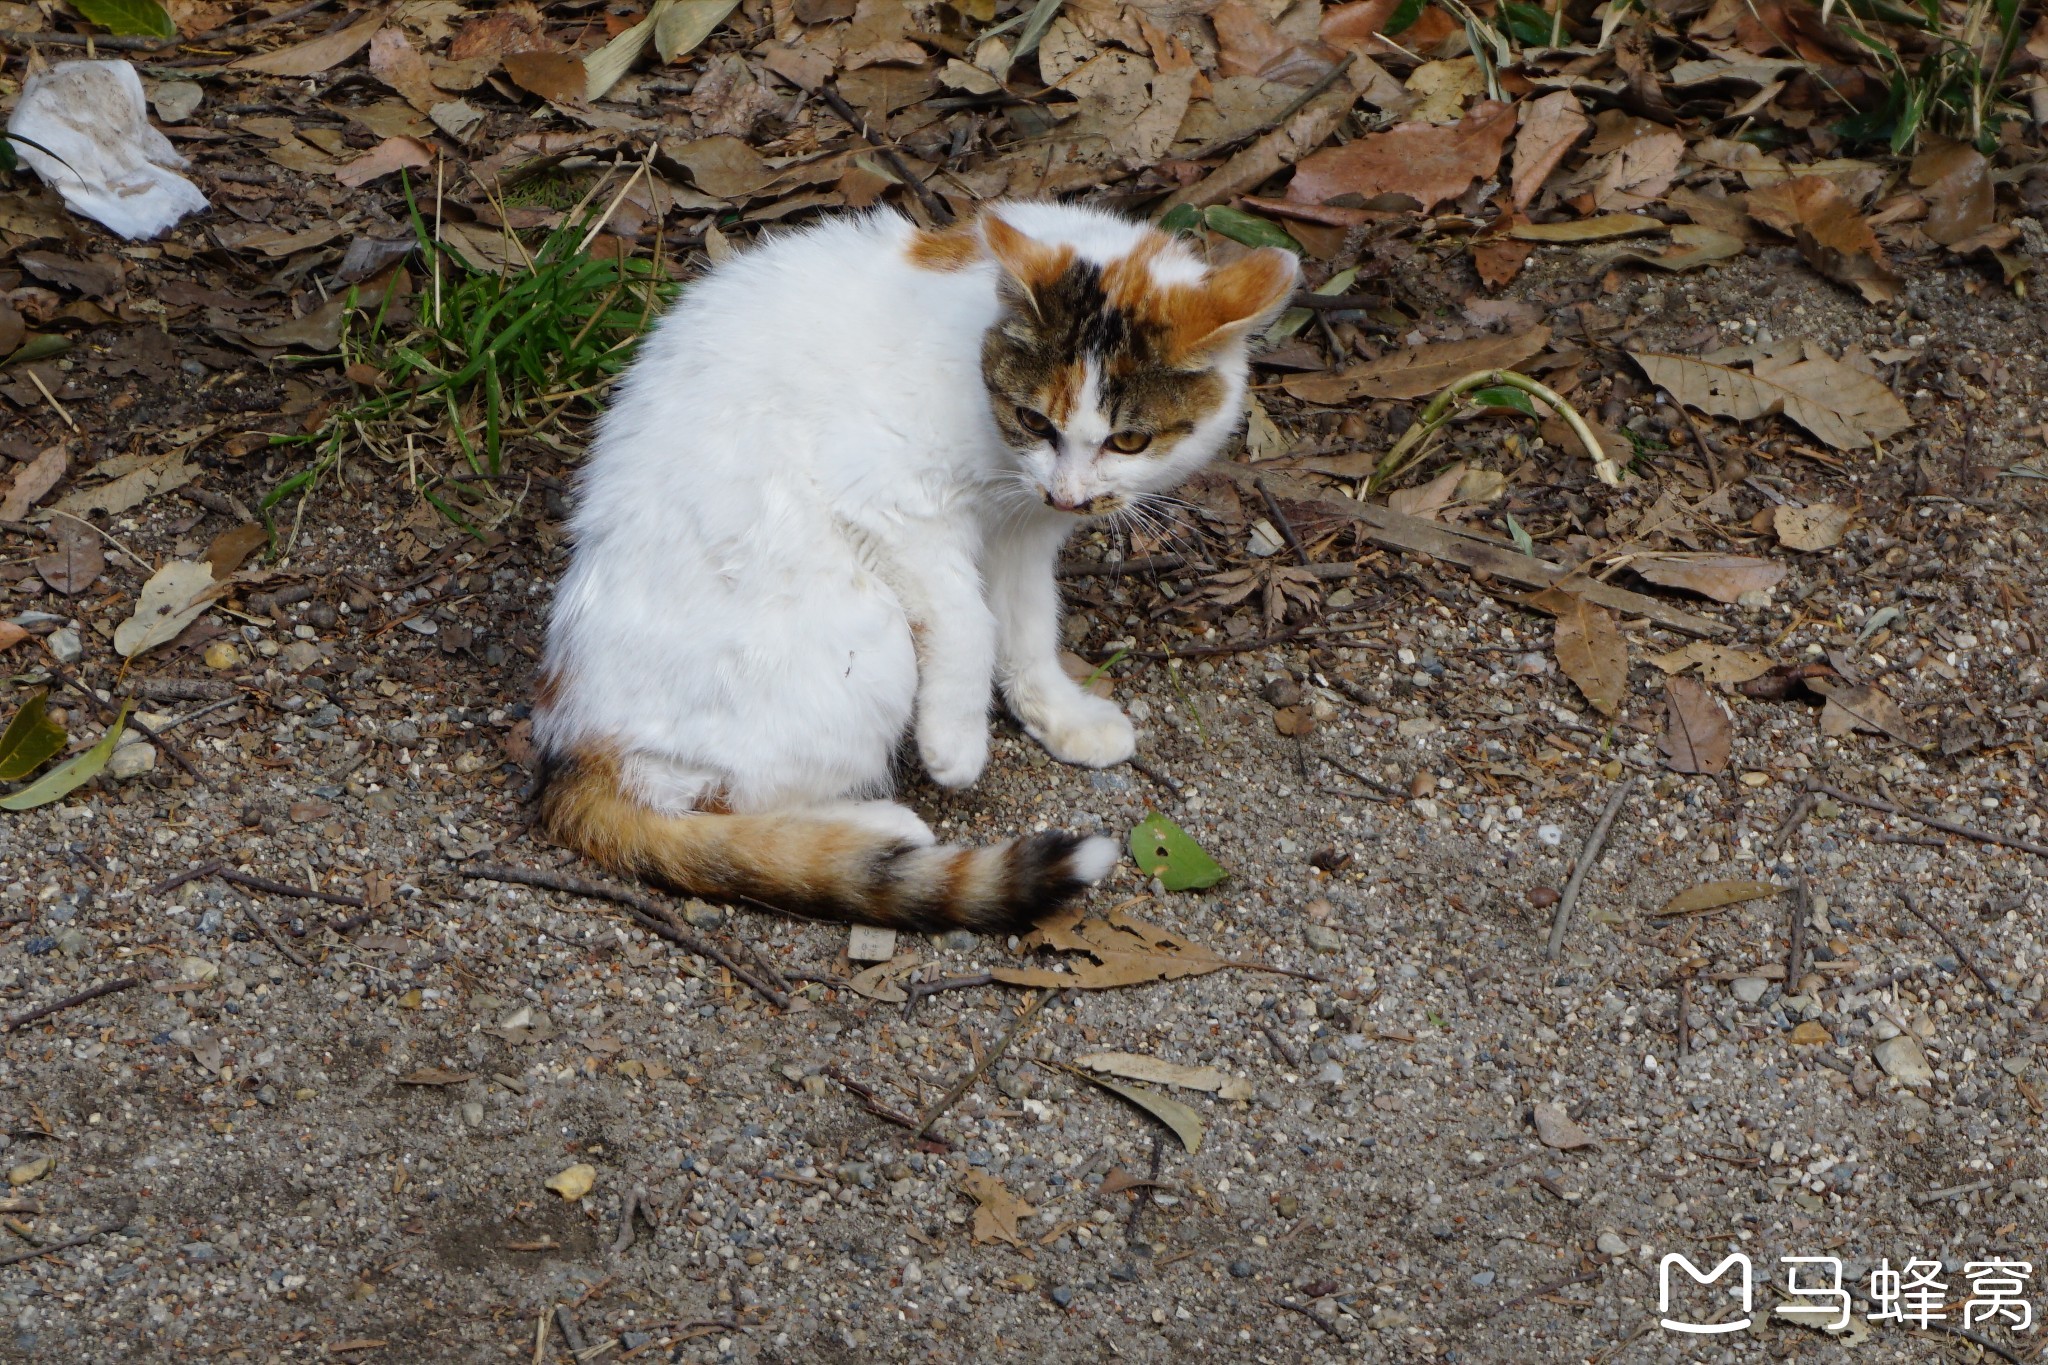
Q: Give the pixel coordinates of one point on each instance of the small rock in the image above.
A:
(958, 940)
(1610, 1244)
(1388, 1320)
(1331, 1074)
(1749, 989)
(1282, 692)
(1555, 1128)
(575, 1182)
(1550, 836)
(1323, 938)
(473, 1114)
(131, 761)
(222, 655)
(200, 1253)
(1063, 1296)
(1543, 897)
(702, 915)
(1484, 1279)
(1241, 1269)
(1810, 1034)
(299, 655)
(64, 646)
(1903, 1060)
(28, 1172)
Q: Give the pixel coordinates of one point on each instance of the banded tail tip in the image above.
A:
(1093, 858)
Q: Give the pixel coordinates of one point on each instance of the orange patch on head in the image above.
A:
(1227, 304)
(1029, 261)
(1127, 282)
(945, 250)
(1056, 400)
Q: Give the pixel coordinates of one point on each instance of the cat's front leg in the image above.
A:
(932, 572)
(1073, 724)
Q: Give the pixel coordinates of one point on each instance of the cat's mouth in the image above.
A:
(1101, 505)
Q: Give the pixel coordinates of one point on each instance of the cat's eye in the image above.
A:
(1130, 442)
(1034, 422)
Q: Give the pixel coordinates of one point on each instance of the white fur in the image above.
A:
(800, 533)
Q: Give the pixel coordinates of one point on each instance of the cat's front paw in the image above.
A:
(954, 752)
(1085, 730)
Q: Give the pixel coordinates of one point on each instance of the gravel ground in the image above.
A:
(250, 1118)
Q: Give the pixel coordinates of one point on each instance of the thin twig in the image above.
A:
(995, 1054)
(218, 867)
(1145, 1187)
(1793, 821)
(918, 990)
(263, 926)
(1118, 568)
(1935, 822)
(1587, 855)
(1156, 773)
(933, 205)
(1795, 937)
(1280, 520)
(1912, 903)
(1291, 1306)
(133, 722)
(1684, 1019)
(44, 1011)
(624, 1241)
(571, 1333)
(872, 1102)
(1551, 1288)
(112, 42)
(1282, 1046)
(1294, 106)
(112, 1225)
(653, 916)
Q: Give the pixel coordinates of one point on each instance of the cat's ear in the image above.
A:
(1030, 263)
(1232, 301)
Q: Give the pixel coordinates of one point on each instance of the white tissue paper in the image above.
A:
(103, 156)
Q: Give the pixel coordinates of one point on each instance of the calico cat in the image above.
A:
(824, 508)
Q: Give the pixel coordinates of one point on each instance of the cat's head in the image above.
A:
(1114, 379)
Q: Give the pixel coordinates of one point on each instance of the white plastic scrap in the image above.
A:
(103, 156)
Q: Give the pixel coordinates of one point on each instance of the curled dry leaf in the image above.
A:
(1186, 1123)
(174, 597)
(315, 55)
(76, 560)
(1356, 27)
(231, 549)
(1718, 664)
(1600, 228)
(1691, 245)
(135, 485)
(397, 63)
(1551, 127)
(997, 1211)
(33, 480)
(1956, 178)
(1841, 405)
(1588, 646)
(1707, 896)
(1426, 500)
(1138, 1067)
(557, 77)
(1418, 371)
(1835, 239)
(1116, 950)
(1725, 578)
(1639, 172)
(1697, 731)
(388, 157)
(1426, 163)
(1865, 708)
(1818, 526)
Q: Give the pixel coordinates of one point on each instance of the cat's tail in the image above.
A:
(816, 866)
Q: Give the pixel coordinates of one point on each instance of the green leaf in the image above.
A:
(1163, 850)
(1504, 396)
(682, 26)
(1404, 16)
(37, 348)
(1185, 1122)
(1181, 218)
(128, 18)
(66, 778)
(1524, 542)
(1528, 24)
(31, 738)
(1249, 228)
(8, 159)
(1294, 319)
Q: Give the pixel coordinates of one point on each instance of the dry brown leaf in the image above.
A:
(1865, 708)
(1638, 172)
(231, 549)
(515, 27)
(1697, 900)
(1426, 163)
(1118, 950)
(1818, 526)
(397, 63)
(1961, 203)
(1441, 89)
(1247, 44)
(1426, 500)
(1697, 731)
(1554, 1128)
(1841, 405)
(1691, 245)
(1724, 213)
(391, 155)
(315, 55)
(11, 635)
(1589, 648)
(1718, 664)
(1356, 28)
(1138, 1067)
(1551, 127)
(1418, 371)
(76, 560)
(158, 474)
(997, 1211)
(1603, 227)
(1499, 260)
(1835, 239)
(33, 480)
(557, 77)
(1725, 578)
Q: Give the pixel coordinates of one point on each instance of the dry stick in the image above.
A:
(1793, 821)
(66, 1245)
(1282, 1046)
(636, 1202)
(1280, 520)
(918, 990)
(933, 205)
(995, 1054)
(264, 926)
(571, 1333)
(1291, 1306)
(872, 1102)
(651, 914)
(177, 754)
(218, 867)
(1151, 1183)
(1935, 822)
(1912, 903)
(1142, 564)
(1795, 937)
(1156, 773)
(1982, 1343)
(1586, 856)
(44, 1011)
(1684, 1023)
